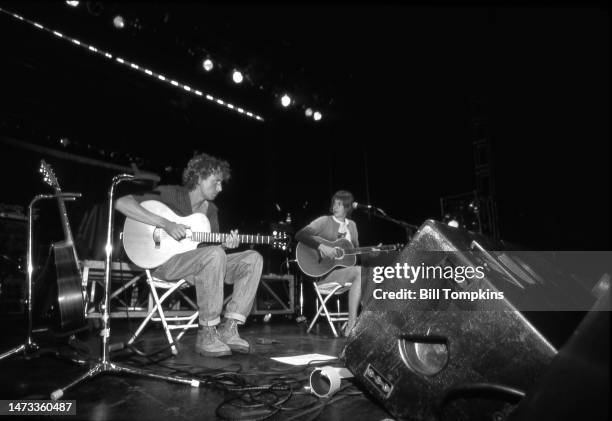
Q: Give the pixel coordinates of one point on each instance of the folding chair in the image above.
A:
(180, 321)
(324, 293)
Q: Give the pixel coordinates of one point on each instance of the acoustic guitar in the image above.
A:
(69, 278)
(148, 246)
(312, 263)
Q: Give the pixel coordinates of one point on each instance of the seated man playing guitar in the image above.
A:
(206, 267)
(330, 228)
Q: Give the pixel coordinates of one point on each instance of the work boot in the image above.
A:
(208, 343)
(229, 335)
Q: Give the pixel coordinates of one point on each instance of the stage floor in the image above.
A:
(121, 396)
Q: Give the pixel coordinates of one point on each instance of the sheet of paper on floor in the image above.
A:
(303, 359)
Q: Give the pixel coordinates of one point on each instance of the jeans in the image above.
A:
(208, 268)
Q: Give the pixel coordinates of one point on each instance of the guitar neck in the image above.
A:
(217, 237)
(371, 249)
(64, 217)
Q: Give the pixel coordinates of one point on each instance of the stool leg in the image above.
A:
(319, 310)
(157, 308)
(323, 307)
(331, 324)
(162, 316)
(152, 310)
(188, 325)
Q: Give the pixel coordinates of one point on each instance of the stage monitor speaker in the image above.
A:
(577, 383)
(441, 359)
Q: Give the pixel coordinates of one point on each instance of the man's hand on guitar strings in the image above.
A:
(176, 231)
(327, 251)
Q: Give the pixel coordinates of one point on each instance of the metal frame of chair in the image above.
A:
(156, 306)
(324, 293)
(128, 274)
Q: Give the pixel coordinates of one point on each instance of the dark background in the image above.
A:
(397, 85)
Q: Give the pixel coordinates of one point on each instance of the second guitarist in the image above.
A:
(208, 268)
(331, 227)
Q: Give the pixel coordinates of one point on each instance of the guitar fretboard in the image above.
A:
(64, 217)
(217, 237)
(373, 249)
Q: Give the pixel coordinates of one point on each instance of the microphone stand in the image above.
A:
(104, 365)
(410, 228)
(29, 345)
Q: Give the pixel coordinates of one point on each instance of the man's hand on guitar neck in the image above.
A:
(232, 241)
(176, 231)
(375, 250)
(327, 251)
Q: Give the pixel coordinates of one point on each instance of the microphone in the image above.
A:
(75, 195)
(146, 177)
(356, 205)
(143, 175)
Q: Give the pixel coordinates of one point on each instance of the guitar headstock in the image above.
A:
(48, 174)
(280, 240)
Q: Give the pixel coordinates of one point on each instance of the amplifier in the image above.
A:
(428, 357)
(275, 295)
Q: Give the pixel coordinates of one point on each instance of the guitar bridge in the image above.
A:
(157, 238)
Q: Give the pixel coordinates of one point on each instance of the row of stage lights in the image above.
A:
(237, 77)
(285, 99)
(138, 67)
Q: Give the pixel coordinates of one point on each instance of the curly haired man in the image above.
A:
(209, 267)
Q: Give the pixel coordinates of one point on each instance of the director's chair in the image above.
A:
(324, 293)
(181, 321)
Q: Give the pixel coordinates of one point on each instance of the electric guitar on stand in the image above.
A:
(148, 246)
(69, 278)
(312, 263)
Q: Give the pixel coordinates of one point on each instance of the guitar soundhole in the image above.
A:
(339, 253)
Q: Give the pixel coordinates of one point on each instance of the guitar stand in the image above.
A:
(29, 346)
(104, 365)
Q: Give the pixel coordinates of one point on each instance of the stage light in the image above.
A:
(308, 112)
(72, 3)
(451, 220)
(285, 100)
(237, 76)
(317, 116)
(119, 22)
(207, 64)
